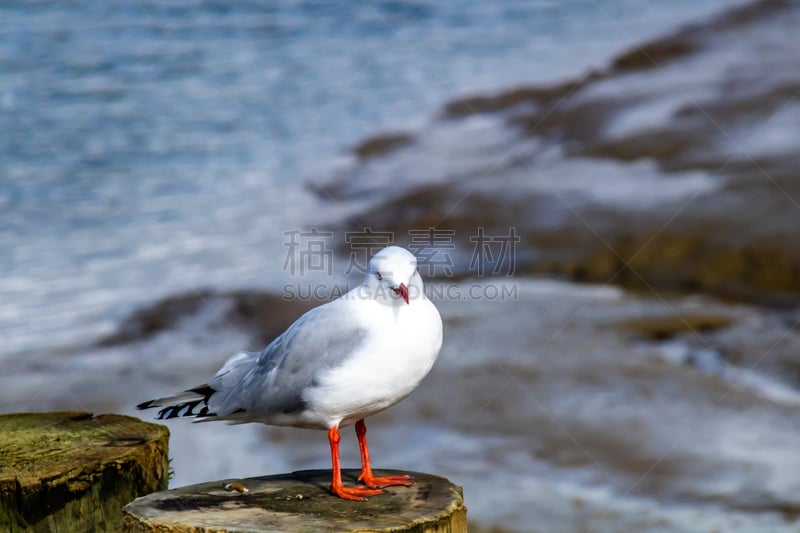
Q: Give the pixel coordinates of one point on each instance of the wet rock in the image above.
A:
(655, 53)
(570, 397)
(756, 343)
(666, 327)
(263, 314)
(726, 255)
(382, 144)
(526, 95)
(660, 106)
(690, 39)
(652, 54)
(267, 315)
(151, 320)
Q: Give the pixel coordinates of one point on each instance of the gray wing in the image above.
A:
(274, 381)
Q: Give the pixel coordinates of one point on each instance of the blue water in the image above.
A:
(153, 147)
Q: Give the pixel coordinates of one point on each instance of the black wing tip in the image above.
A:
(204, 390)
(145, 405)
(182, 409)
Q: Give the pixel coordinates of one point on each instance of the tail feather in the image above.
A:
(195, 402)
(183, 404)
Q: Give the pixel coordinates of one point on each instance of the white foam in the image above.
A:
(625, 185)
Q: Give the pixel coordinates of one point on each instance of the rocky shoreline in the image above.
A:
(715, 103)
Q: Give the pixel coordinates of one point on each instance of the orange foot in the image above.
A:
(355, 494)
(388, 481)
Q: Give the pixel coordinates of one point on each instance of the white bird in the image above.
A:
(336, 365)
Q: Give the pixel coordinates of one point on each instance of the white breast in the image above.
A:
(400, 351)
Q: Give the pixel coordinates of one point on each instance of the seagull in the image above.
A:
(338, 364)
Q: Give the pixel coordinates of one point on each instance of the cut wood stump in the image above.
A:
(73, 471)
(300, 501)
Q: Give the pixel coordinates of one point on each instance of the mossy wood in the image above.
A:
(297, 502)
(72, 471)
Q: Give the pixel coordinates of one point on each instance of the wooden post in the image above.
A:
(73, 472)
(297, 502)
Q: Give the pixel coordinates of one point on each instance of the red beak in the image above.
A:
(402, 291)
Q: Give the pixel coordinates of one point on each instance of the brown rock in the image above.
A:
(265, 314)
(382, 144)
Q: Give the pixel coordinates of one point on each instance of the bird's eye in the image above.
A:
(378, 274)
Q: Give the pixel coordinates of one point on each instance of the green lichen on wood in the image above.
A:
(72, 471)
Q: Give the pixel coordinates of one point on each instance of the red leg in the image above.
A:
(337, 487)
(366, 469)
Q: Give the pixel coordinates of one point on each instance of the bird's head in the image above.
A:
(394, 269)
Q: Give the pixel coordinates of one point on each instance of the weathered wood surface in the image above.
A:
(300, 502)
(73, 472)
